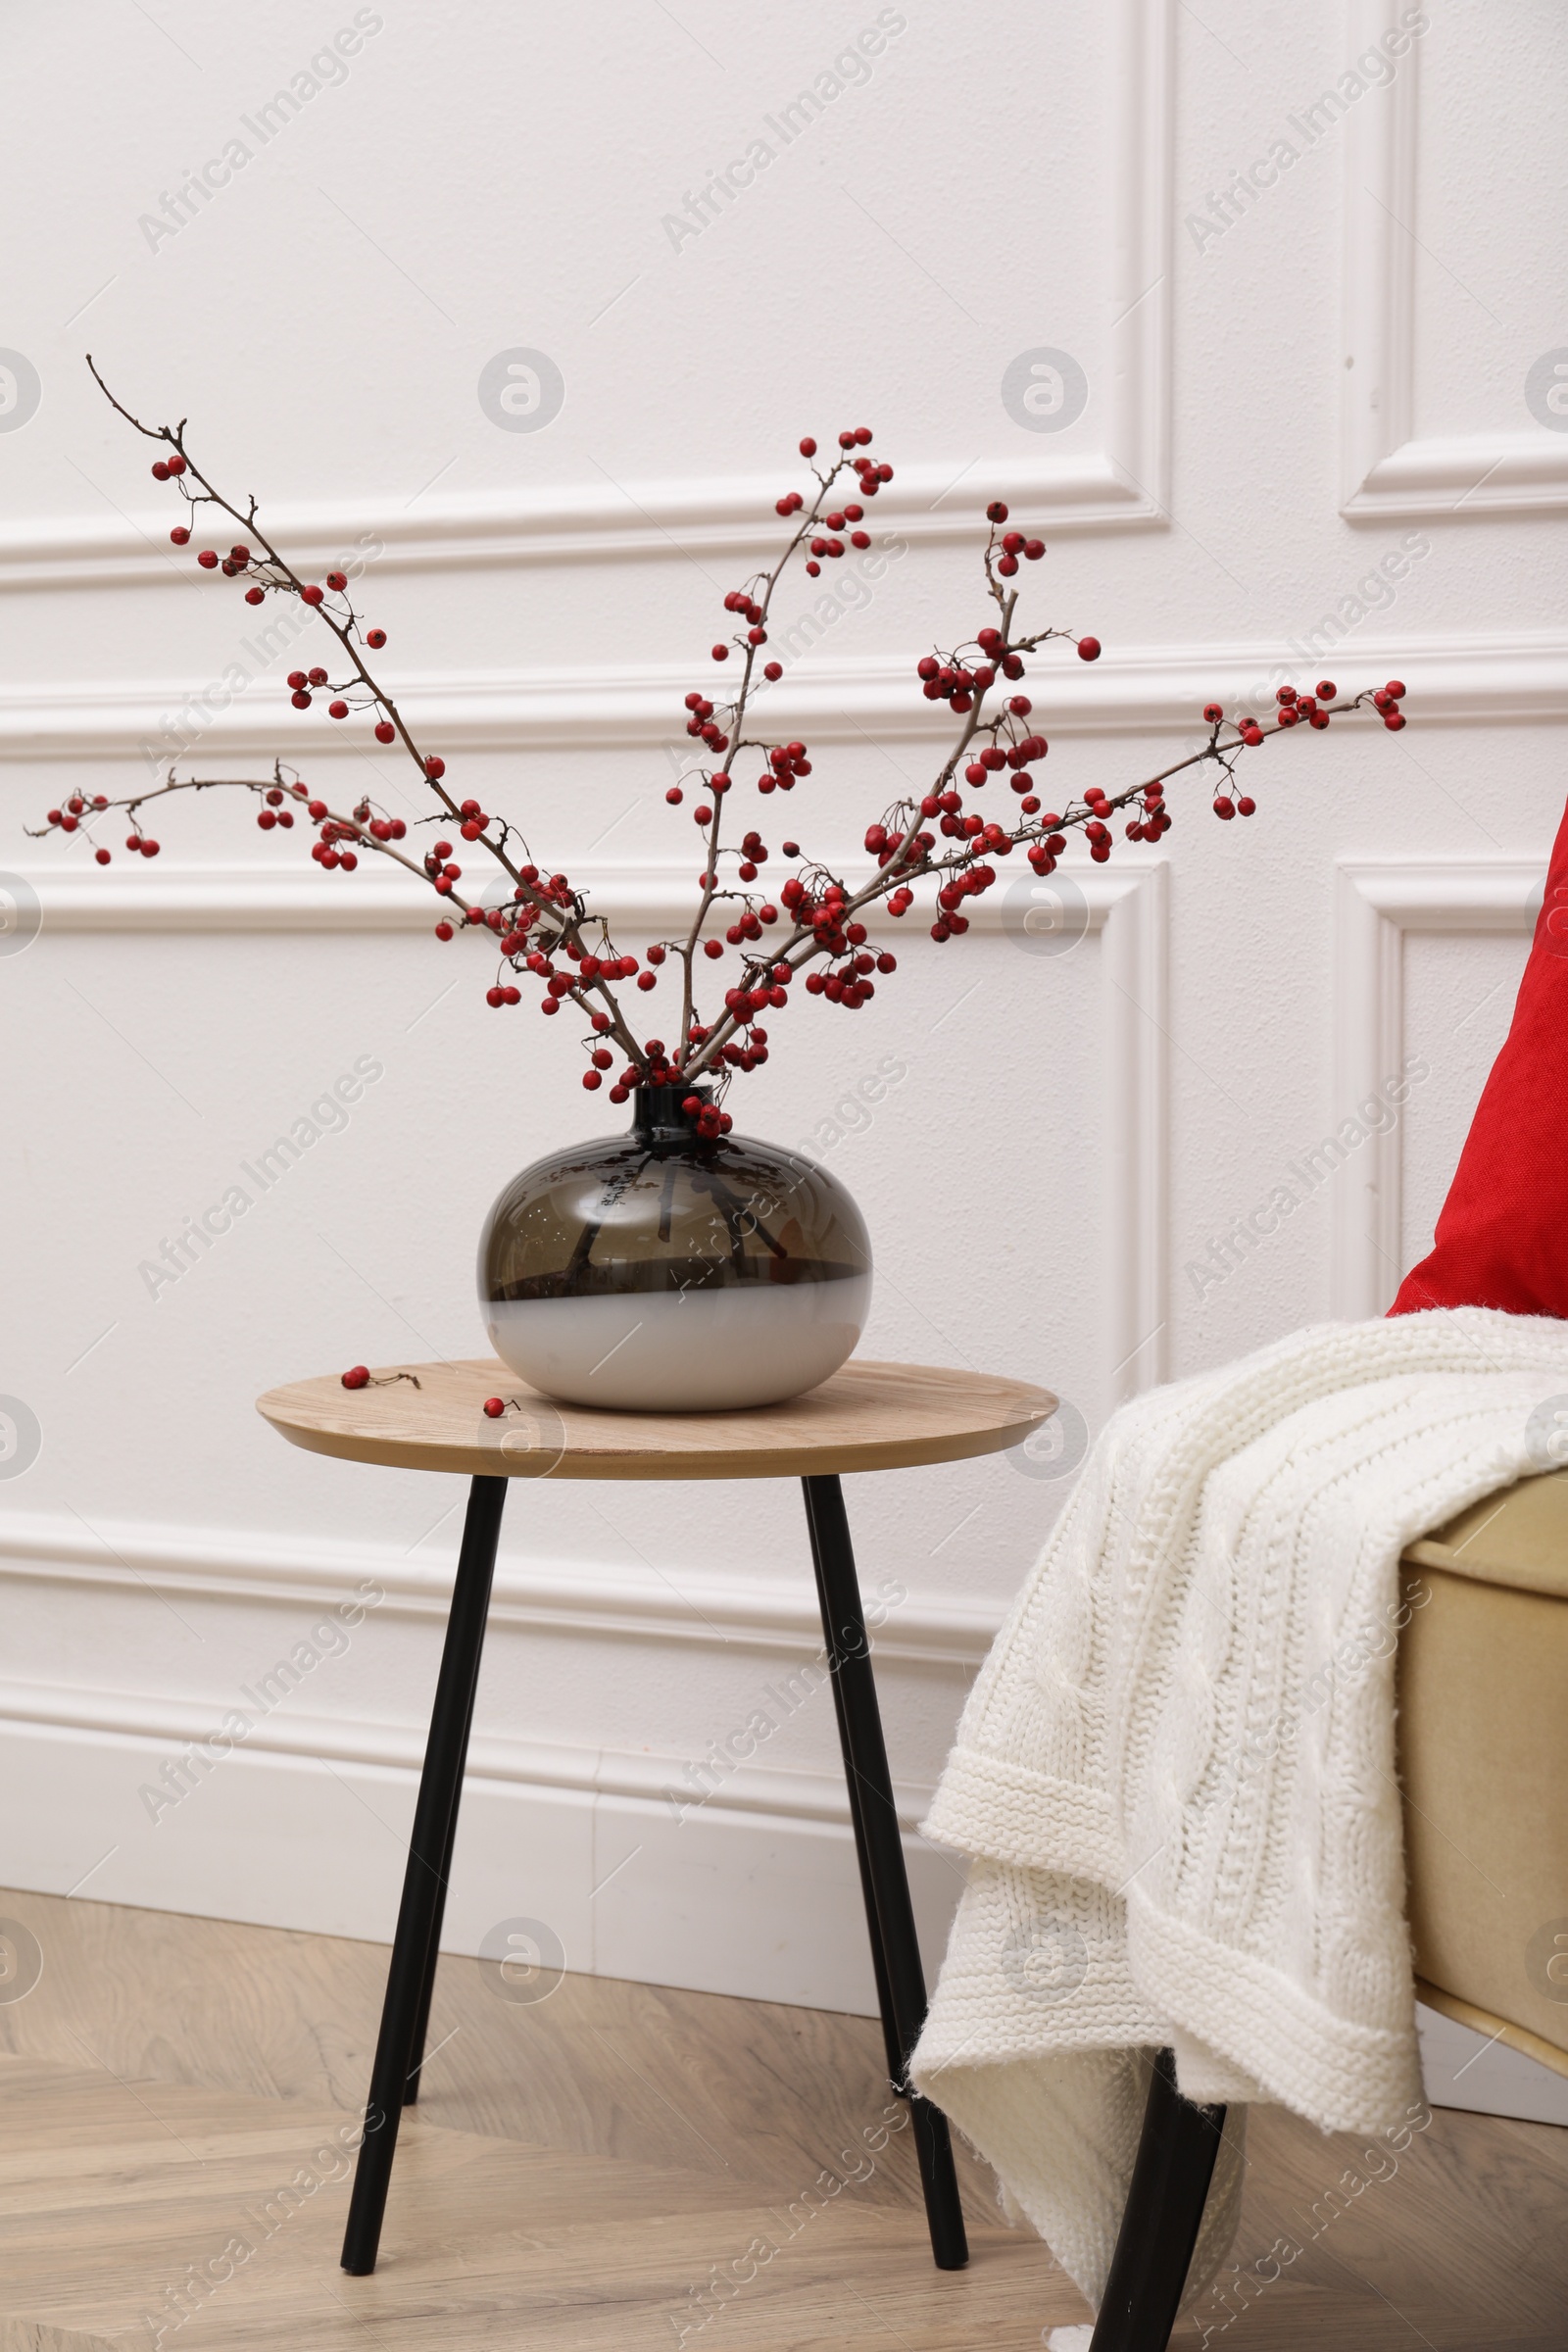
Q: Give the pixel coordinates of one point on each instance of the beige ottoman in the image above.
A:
(1483, 1730)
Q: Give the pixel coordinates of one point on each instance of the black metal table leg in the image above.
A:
(890, 1913)
(879, 1964)
(421, 2022)
(425, 1881)
(1171, 2173)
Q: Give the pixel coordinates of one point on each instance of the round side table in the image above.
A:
(867, 1417)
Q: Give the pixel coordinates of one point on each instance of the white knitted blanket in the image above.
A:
(1176, 1772)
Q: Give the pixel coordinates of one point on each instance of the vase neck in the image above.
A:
(659, 1115)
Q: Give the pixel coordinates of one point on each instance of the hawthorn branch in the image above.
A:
(544, 913)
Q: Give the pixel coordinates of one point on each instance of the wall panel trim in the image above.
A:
(1379, 900)
(1387, 471)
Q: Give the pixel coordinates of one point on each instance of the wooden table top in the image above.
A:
(867, 1417)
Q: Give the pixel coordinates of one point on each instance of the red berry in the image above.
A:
(494, 1408)
(102, 856)
(807, 447)
(996, 512)
(593, 1080)
(179, 534)
(297, 678)
(375, 637)
(1326, 690)
(338, 709)
(675, 796)
(208, 560)
(435, 768)
(301, 701)
(1213, 712)
(255, 596)
(385, 731)
(773, 670)
(334, 579)
(1089, 649)
(1396, 687)
(149, 849)
(160, 470)
(318, 677)
(1394, 720)
(721, 652)
(1246, 804)
(443, 930)
(177, 464)
(312, 595)
(358, 1376)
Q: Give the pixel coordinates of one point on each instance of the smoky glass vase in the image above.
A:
(662, 1272)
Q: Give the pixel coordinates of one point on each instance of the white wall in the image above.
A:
(1279, 403)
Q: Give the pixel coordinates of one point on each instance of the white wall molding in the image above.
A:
(1133, 957)
(168, 1726)
(1139, 358)
(750, 1889)
(586, 1599)
(1385, 471)
(1131, 691)
(756, 1900)
(600, 520)
(1380, 900)
(592, 521)
(1128, 905)
(130, 897)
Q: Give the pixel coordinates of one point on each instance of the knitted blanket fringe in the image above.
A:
(1175, 1774)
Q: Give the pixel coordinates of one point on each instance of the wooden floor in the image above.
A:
(580, 2173)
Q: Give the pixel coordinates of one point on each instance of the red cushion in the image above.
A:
(1502, 1238)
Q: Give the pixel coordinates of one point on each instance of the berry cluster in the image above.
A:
(814, 928)
(828, 543)
(67, 818)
